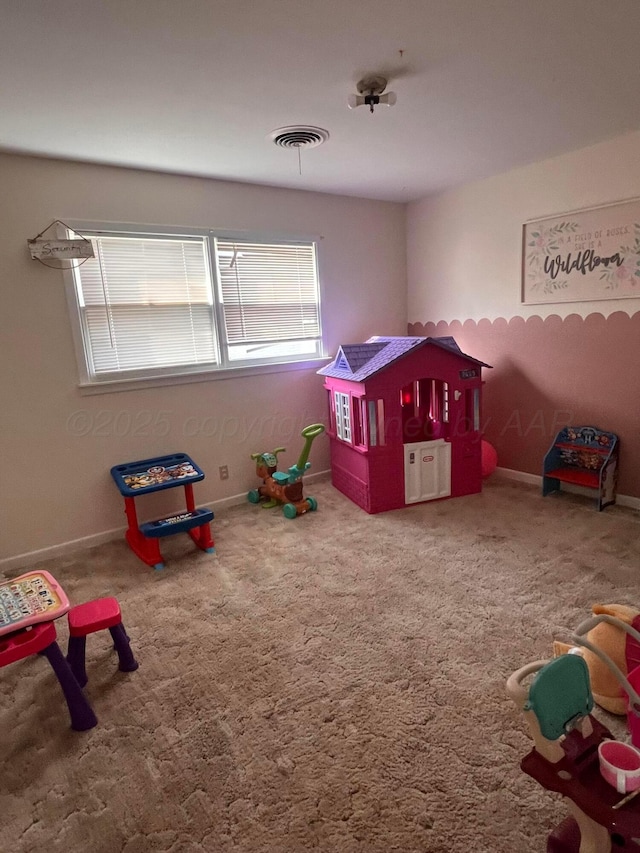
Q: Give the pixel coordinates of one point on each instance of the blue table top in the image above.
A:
(153, 475)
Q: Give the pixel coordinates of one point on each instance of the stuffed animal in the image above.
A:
(618, 645)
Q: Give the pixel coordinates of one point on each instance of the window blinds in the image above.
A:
(269, 291)
(147, 303)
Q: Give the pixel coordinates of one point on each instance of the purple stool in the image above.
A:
(41, 639)
(95, 616)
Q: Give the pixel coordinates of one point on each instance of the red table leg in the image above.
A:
(200, 535)
(148, 550)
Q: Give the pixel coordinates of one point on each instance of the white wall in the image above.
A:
(54, 473)
(464, 246)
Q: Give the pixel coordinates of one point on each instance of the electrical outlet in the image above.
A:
(224, 472)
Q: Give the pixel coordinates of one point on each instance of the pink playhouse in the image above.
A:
(404, 423)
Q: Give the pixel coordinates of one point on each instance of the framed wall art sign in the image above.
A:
(582, 256)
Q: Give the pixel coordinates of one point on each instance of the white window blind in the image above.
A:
(151, 304)
(146, 302)
(269, 293)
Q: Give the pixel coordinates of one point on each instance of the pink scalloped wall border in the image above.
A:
(549, 372)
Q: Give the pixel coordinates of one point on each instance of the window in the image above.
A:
(373, 424)
(445, 402)
(363, 422)
(358, 430)
(381, 424)
(472, 414)
(157, 304)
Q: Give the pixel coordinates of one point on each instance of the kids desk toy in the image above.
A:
(134, 479)
(28, 606)
(30, 598)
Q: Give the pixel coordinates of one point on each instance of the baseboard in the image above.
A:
(63, 549)
(519, 476)
(536, 480)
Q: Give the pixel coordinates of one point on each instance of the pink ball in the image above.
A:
(489, 458)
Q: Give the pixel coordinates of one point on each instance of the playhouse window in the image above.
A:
(434, 399)
(472, 414)
(362, 410)
(358, 426)
(375, 422)
(425, 410)
(381, 436)
(343, 416)
(373, 426)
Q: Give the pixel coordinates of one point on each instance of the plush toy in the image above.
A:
(618, 645)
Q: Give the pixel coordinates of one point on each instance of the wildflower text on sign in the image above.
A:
(582, 256)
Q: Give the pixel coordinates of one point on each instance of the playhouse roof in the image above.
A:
(357, 362)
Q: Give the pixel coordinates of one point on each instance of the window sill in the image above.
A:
(357, 448)
(87, 389)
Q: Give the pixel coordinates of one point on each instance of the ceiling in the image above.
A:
(196, 86)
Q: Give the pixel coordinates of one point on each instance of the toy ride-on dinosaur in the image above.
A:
(283, 488)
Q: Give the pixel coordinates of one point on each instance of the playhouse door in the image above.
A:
(427, 470)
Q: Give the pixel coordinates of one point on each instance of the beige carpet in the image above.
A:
(333, 683)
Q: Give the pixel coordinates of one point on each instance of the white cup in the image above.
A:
(620, 765)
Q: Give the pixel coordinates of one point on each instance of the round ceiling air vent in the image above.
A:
(299, 136)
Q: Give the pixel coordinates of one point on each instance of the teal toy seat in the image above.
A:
(560, 695)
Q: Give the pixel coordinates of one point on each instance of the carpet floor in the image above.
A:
(334, 683)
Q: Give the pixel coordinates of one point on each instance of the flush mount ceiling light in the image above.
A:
(370, 91)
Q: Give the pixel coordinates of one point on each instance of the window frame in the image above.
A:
(150, 377)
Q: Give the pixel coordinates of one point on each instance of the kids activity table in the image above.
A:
(135, 479)
(28, 606)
